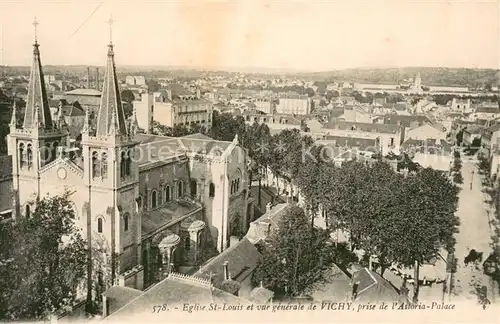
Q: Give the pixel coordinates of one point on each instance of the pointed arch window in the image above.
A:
(123, 162)
(154, 197)
(54, 151)
(29, 156)
(211, 190)
(128, 162)
(194, 188)
(125, 221)
(96, 167)
(166, 194)
(104, 165)
(187, 243)
(99, 225)
(21, 155)
(180, 189)
(139, 203)
(27, 211)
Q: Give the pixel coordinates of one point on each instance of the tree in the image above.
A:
(153, 85)
(458, 178)
(127, 95)
(294, 258)
(44, 261)
(225, 126)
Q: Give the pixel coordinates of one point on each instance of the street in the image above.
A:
(474, 233)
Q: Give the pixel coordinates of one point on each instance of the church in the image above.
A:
(149, 204)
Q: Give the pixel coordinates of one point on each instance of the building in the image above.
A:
(294, 104)
(134, 195)
(433, 153)
(462, 105)
(175, 106)
(89, 99)
(426, 131)
(389, 137)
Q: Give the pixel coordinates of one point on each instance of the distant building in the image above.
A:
(425, 132)
(460, 105)
(135, 80)
(389, 136)
(294, 104)
(174, 106)
(89, 99)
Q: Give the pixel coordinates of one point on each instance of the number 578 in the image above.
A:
(160, 308)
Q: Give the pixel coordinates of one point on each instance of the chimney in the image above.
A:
(355, 290)
(169, 94)
(226, 270)
(88, 77)
(105, 306)
(97, 78)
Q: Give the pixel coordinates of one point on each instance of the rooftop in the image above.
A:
(243, 258)
(172, 291)
(171, 213)
(373, 288)
(84, 92)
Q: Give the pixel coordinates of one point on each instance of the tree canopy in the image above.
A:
(294, 258)
(43, 260)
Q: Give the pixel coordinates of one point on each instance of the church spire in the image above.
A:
(37, 113)
(111, 117)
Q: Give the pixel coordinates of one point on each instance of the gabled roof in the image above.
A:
(243, 258)
(37, 111)
(363, 127)
(373, 288)
(429, 146)
(172, 291)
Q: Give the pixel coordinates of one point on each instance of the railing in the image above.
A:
(197, 280)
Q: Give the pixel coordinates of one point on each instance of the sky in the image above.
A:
(295, 35)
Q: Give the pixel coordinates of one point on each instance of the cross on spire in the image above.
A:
(35, 24)
(110, 22)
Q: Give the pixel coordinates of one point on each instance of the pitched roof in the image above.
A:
(406, 121)
(243, 258)
(119, 296)
(37, 105)
(373, 288)
(173, 291)
(168, 214)
(364, 127)
(338, 288)
(111, 117)
(261, 295)
(258, 230)
(84, 92)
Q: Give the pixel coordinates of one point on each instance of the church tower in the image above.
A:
(111, 176)
(33, 139)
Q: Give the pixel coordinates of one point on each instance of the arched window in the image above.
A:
(166, 193)
(27, 212)
(54, 151)
(96, 169)
(232, 186)
(125, 221)
(21, 155)
(211, 190)
(128, 163)
(139, 202)
(154, 202)
(122, 164)
(104, 165)
(180, 189)
(29, 156)
(187, 243)
(194, 187)
(99, 225)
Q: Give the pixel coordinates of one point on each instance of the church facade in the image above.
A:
(148, 204)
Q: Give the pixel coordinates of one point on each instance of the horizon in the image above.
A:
(291, 37)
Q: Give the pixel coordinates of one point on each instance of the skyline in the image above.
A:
(256, 34)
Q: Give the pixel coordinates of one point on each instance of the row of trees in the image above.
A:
(403, 220)
(457, 168)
